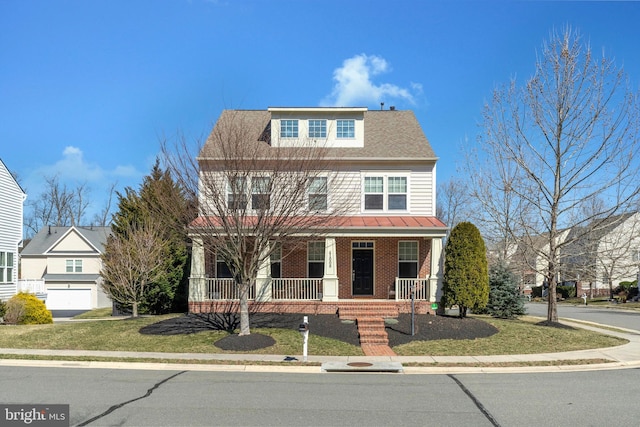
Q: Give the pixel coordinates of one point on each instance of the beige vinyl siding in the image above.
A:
(422, 192)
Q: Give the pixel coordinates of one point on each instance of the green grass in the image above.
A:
(514, 337)
(98, 313)
(124, 335)
(523, 336)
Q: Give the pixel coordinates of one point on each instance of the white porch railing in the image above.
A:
(34, 286)
(226, 289)
(296, 289)
(404, 288)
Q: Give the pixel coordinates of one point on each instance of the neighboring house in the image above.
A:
(67, 261)
(606, 253)
(594, 258)
(12, 199)
(388, 242)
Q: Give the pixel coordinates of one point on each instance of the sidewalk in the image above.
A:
(624, 356)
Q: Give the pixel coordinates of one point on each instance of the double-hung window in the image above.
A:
(385, 193)
(317, 128)
(237, 193)
(345, 128)
(6, 267)
(397, 192)
(74, 266)
(373, 193)
(288, 128)
(318, 194)
(408, 259)
(276, 262)
(315, 259)
(260, 192)
(222, 268)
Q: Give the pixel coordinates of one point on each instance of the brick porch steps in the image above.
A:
(352, 311)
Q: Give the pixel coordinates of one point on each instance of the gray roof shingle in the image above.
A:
(388, 135)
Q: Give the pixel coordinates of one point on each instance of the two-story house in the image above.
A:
(66, 260)
(385, 245)
(12, 199)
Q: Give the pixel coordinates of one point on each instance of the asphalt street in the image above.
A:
(626, 319)
(102, 397)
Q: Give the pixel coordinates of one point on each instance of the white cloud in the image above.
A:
(354, 84)
(72, 169)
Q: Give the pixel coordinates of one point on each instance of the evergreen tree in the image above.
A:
(159, 198)
(466, 278)
(505, 301)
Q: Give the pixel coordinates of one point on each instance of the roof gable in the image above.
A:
(57, 240)
(11, 179)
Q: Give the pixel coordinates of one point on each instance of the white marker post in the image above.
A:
(304, 331)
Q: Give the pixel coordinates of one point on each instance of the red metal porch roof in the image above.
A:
(357, 221)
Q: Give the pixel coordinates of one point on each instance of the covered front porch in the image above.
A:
(352, 270)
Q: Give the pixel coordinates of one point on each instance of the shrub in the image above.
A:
(26, 309)
(3, 309)
(466, 277)
(536, 292)
(566, 291)
(505, 301)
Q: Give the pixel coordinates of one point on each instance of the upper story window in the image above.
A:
(73, 266)
(373, 193)
(318, 194)
(317, 128)
(315, 259)
(6, 267)
(260, 192)
(237, 193)
(385, 193)
(397, 190)
(289, 128)
(345, 128)
(408, 259)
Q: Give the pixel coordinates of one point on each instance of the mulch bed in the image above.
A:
(426, 327)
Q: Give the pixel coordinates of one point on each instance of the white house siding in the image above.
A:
(11, 216)
(422, 191)
(616, 252)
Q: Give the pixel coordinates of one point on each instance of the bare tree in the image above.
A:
(253, 196)
(453, 202)
(568, 136)
(131, 261)
(62, 206)
(103, 218)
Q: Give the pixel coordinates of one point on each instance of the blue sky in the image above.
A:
(88, 87)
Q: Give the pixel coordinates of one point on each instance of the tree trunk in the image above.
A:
(244, 309)
(552, 312)
(134, 310)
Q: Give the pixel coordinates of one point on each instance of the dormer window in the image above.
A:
(317, 128)
(289, 128)
(345, 128)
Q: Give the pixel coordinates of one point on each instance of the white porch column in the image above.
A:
(263, 281)
(330, 278)
(435, 277)
(197, 280)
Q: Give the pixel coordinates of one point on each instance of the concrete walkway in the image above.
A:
(624, 356)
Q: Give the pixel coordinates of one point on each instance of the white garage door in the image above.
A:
(68, 299)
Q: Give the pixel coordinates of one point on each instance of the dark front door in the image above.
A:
(362, 274)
